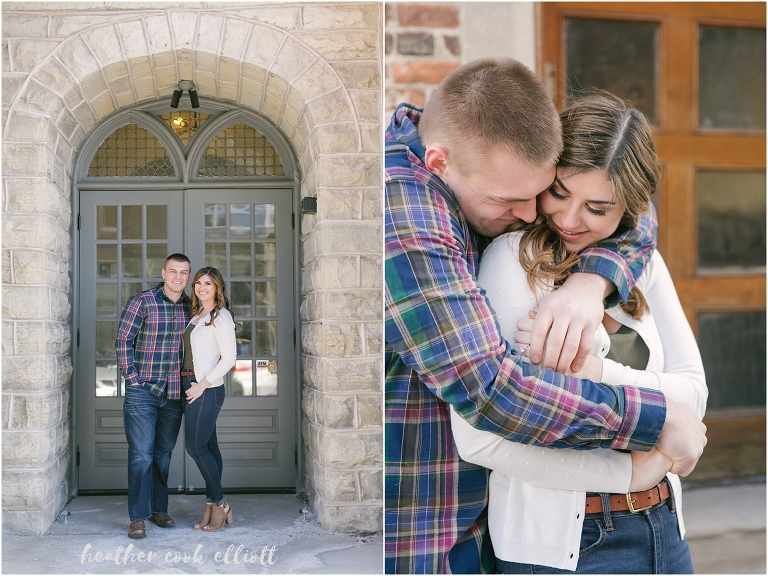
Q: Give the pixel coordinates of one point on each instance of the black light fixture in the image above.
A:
(189, 86)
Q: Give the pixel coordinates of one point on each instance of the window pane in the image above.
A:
(215, 220)
(106, 377)
(265, 259)
(185, 123)
(731, 220)
(266, 299)
(733, 350)
(264, 221)
(241, 298)
(131, 222)
(216, 256)
(732, 78)
(106, 299)
(131, 260)
(240, 151)
(266, 378)
(244, 338)
(266, 337)
(106, 222)
(129, 289)
(156, 255)
(240, 258)
(106, 260)
(617, 56)
(131, 151)
(242, 379)
(239, 220)
(106, 332)
(157, 222)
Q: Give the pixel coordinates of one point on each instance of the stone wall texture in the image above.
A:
(315, 71)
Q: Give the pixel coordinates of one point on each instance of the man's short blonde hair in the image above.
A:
(492, 103)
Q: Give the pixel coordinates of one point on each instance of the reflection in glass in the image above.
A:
(731, 220)
(131, 222)
(106, 299)
(106, 261)
(239, 220)
(265, 259)
(157, 222)
(156, 255)
(241, 298)
(242, 379)
(266, 299)
(733, 351)
(240, 258)
(106, 222)
(106, 377)
(618, 56)
(731, 78)
(215, 220)
(106, 332)
(128, 290)
(216, 256)
(266, 337)
(264, 221)
(131, 260)
(266, 377)
(244, 337)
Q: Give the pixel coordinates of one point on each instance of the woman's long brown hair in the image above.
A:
(221, 300)
(600, 132)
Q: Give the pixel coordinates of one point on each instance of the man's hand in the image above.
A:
(566, 321)
(682, 439)
(648, 468)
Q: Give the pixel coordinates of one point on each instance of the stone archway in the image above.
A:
(330, 115)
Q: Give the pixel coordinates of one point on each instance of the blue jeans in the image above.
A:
(644, 543)
(151, 426)
(200, 432)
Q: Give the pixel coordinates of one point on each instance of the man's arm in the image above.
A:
(439, 322)
(567, 318)
(131, 322)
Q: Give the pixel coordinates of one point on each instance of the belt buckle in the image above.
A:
(632, 508)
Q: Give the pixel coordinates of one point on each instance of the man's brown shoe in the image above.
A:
(137, 529)
(162, 520)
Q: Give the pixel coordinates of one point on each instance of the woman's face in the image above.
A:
(581, 208)
(205, 289)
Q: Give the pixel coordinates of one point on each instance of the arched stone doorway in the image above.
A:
(213, 183)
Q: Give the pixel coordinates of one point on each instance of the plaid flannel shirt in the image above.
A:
(150, 341)
(443, 347)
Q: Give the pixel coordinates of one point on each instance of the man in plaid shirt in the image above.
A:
(459, 173)
(149, 352)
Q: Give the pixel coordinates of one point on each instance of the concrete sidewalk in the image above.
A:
(725, 528)
(269, 536)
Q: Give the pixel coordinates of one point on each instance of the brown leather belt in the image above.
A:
(187, 373)
(634, 502)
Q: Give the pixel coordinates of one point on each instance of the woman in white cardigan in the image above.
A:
(210, 352)
(540, 518)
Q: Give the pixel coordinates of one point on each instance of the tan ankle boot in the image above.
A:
(206, 517)
(220, 515)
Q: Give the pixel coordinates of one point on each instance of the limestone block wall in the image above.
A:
(315, 71)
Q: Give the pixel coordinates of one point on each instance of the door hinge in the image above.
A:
(78, 221)
(294, 338)
(78, 337)
(296, 455)
(78, 455)
(293, 219)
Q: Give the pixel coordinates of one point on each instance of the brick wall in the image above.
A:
(422, 46)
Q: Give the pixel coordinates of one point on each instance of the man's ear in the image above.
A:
(437, 161)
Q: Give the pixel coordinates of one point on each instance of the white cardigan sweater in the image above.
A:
(214, 348)
(537, 495)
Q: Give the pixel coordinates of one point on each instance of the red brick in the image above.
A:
(426, 71)
(433, 15)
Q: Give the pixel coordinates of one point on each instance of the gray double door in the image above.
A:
(246, 234)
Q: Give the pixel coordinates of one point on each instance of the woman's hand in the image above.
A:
(196, 390)
(648, 469)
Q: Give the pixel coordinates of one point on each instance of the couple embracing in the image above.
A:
(567, 334)
(174, 352)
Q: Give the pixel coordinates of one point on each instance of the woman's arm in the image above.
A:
(224, 330)
(682, 379)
